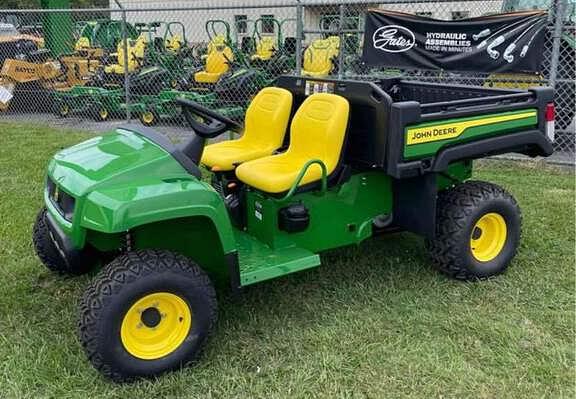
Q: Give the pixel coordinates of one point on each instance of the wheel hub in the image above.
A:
(488, 237)
(151, 317)
(156, 325)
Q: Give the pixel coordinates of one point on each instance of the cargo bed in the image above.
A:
(409, 128)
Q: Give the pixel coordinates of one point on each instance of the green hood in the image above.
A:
(118, 158)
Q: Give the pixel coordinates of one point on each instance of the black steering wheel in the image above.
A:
(212, 125)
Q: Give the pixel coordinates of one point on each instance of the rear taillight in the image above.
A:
(550, 112)
(549, 115)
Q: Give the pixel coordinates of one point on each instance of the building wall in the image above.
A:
(195, 19)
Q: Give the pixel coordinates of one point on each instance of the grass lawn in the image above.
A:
(375, 321)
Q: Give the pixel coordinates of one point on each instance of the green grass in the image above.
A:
(374, 321)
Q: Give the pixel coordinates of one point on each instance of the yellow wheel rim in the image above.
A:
(104, 113)
(156, 325)
(488, 237)
(148, 117)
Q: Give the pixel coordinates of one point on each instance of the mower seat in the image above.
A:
(265, 125)
(319, 56)
(317, 132)
(83, 43)
(264, 49)
(216, 65)
(174, 43)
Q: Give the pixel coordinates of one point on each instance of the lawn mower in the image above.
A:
(274, 54)
(220, 55)
(102, 100)
(364, 158)
(229, 97)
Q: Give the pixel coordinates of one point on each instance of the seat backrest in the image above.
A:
(136, 50)
(174, 43)
(318, 129)
(267, 118)
(217, 60)
(319, 55)
(217, 41)
(82, 43)
(265, 48)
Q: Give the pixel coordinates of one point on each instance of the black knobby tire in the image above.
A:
(45, 247)
(118, 286)
(50, 255)
(458, 210)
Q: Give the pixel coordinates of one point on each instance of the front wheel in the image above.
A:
(53, 256)
(477, 231)
(149, 117)
(100, 113)
(62, 109)
(147, 312)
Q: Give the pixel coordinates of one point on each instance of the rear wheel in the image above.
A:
(147, 312)
(477, 231)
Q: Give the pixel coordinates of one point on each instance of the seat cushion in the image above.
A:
(226, 155)
(317, 133)
(276, 173)
(115, 68)
(320, 74)
(206, 77)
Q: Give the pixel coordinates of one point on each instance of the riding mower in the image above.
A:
(275, 55)
(102, 102)
(320, 57)
(364, 158)
(220, 54)
(229, 96)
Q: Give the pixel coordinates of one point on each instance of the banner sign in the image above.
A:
(496, 43)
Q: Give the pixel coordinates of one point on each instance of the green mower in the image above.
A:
(103, 101)
(364, 158)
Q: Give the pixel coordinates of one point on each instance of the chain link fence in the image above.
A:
(94, 68)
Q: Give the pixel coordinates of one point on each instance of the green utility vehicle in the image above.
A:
(364, 158)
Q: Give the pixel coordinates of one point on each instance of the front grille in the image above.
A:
(61, 200)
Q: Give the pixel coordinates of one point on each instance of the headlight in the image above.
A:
(63, 201)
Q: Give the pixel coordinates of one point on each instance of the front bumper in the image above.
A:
(69, 252)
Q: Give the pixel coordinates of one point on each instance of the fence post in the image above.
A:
(299, 36)
(341, 37)
(126, 69)
(559, 7)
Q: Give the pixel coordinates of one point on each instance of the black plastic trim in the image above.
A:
(532, 143)
(163, 142)
(415, 204)
(64, 244)
(233, 264)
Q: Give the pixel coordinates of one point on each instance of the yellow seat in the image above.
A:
(319, 57)
(136, 50)
(216, 65)
(264, 49)
(264, 128)
(83, 43)
(317, 132)
(174, 44)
